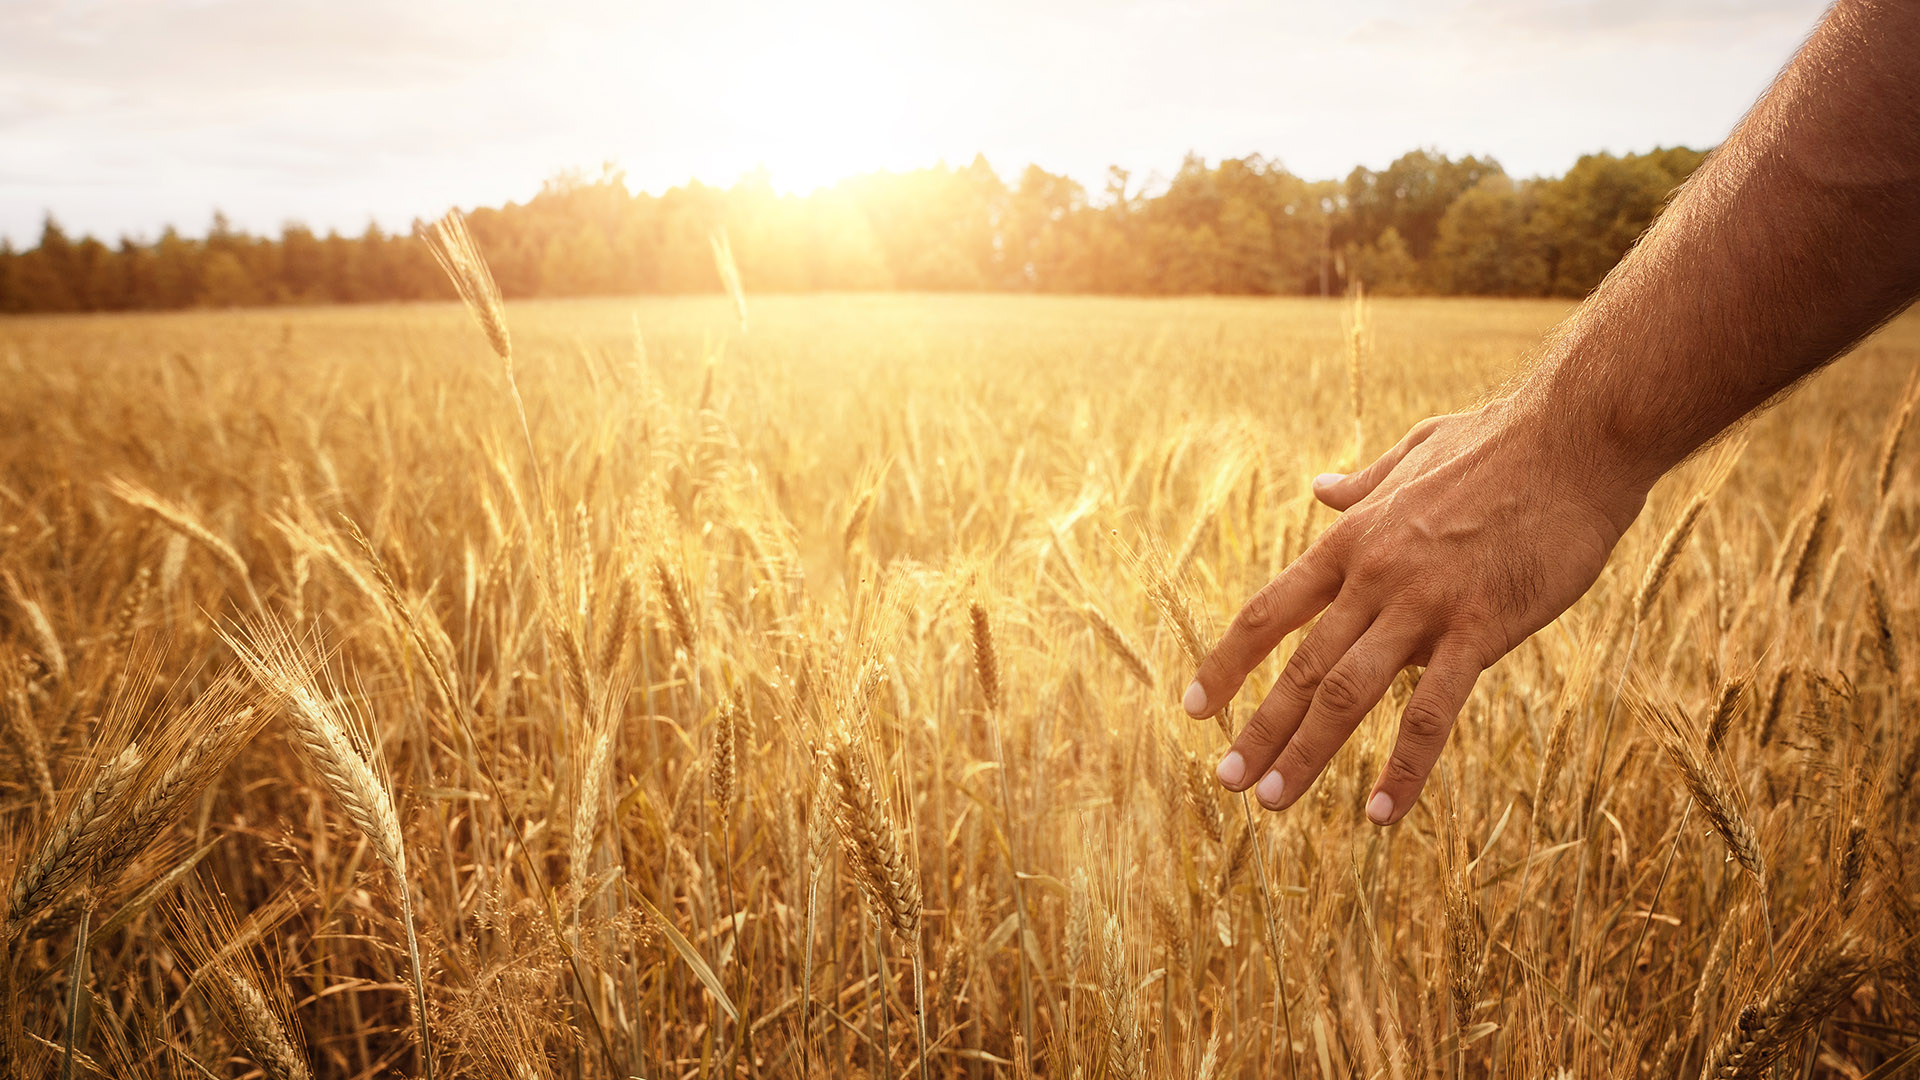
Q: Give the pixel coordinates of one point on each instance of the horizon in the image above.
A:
(130, 118)
(1152, 184)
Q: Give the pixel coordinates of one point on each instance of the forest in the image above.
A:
(1426, 224)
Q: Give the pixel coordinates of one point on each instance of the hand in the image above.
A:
(1472, 533)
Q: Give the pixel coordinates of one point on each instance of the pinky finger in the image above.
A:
(1424, 727)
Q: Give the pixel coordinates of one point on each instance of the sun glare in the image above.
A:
(811, 95)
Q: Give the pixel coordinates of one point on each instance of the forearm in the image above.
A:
(1795, 239)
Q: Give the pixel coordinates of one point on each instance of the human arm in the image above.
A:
(1795, 239)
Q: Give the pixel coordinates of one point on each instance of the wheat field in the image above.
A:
(795, 693)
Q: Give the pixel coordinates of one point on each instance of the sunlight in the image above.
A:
(813, 95)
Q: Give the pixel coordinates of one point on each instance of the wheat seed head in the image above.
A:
(453, 247)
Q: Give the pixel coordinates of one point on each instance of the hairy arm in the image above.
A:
(1794, 240)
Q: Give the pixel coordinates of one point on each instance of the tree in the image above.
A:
(1410, 196)
(226, 283)
(1588, 218)
(1384, 266)
(303, 266)
(1242, 225)
(1486, 244)
(11, 301)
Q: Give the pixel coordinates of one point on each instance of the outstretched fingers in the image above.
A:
(1307, 585)
(1347, 692)
(1424, 727)
(1274, 722)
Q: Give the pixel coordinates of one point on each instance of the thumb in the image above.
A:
(1342, 491)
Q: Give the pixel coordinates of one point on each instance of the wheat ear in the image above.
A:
(33, 746)
(206, 736)
(1661, 566)
(1715, 796)
(1117, 642)
(1764, 1031)
(1116, 991)
(71, 848)
(1809, 549)
(886, 875)
(1726, 706)
(1462, 914)
(986, 659)
(183, 522)
(260, 1028)
(288, 672)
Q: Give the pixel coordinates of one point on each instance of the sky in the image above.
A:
(124, 116)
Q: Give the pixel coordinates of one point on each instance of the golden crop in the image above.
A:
(803, 701)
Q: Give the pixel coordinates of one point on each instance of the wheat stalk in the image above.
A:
(720, 771)
(1668, 553)
(453, 248)
(39, 626)
(33, 747)
(1890, 443)
(287, 670)
(679, 613)
(208, 736)
(1880, 615)
(1461, 911)
(1719, 958)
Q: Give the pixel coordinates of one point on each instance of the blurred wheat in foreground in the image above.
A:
(595, 690)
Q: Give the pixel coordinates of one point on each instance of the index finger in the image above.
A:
(1282, 606)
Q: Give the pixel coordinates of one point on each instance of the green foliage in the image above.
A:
(1426, 223)
(1486, 244)
(1409, 196)
(1384, 266)
(1588, 218)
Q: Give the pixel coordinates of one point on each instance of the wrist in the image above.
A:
(1582, 456)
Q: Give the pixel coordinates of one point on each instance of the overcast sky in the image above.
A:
(126, 115)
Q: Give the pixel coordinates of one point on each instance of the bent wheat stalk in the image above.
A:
(289, 671)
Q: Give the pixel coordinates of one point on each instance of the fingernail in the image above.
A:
(1328, 479)
(1232, 770)
(1270, 789)
(1196, 699)
(1380, 808)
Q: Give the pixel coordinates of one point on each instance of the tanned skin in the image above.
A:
(1793, 241)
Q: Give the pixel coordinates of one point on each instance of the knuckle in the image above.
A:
(1370, 569)
(1401, 772)
(1300, 677)
(1469, 609)
(1261, 612)
(1304, 756)
(1340, 692)
(1336, 540)
(1424, 728)
(1263, 728)
(1213, 667)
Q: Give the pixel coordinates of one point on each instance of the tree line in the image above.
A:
(1424, 224)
